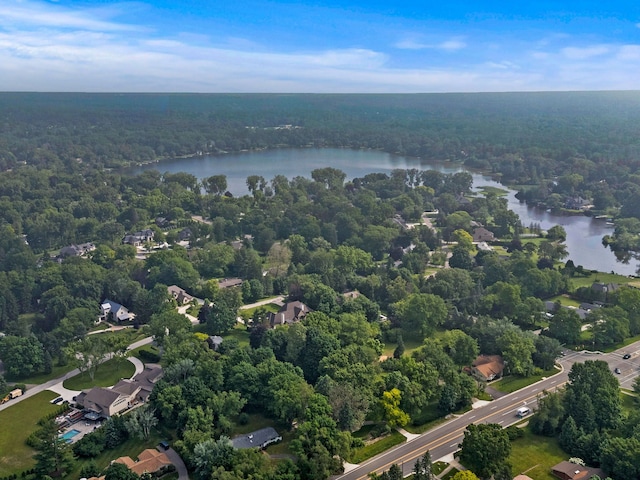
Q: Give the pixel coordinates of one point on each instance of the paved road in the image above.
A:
(444, 439)
(52, 383)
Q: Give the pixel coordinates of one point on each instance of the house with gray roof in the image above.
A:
(289, 313)
(113, 310)
(258, 439)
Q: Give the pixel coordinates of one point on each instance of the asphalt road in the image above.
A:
(52, 383)
(444, 439)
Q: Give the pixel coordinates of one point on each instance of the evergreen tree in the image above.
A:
(53, 454)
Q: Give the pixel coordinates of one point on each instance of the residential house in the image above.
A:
(290, 312)
(184, 234)
(577, 203)
(138, 238)
(149, 461)
(179, 294)
(258, 439)
(481, 234)
(572, 471)
(488, 367)
(522, 477)
(230, 282)
(76, 250)
(105, 402)
(214, 342)
(100, 402)
(110, 310)
(484, 247)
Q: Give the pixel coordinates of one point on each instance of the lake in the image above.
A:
(584, 234)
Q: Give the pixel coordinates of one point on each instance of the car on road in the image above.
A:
(626, 356)
(617, 370)
(523, 412)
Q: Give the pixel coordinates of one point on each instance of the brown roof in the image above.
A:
(489, 365)
(150, 460)
(126, 387)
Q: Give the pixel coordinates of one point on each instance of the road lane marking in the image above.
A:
(493, 408)
(472, 416)
(419, 452)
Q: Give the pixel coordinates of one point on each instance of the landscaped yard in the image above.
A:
(132, 448)
(379, 446)
(108, 374)
(565, 301)
(410, 344)
(247, 313)
(16, 424)
(430, 418)
(512, 383)
(39, 378)
(534, 456)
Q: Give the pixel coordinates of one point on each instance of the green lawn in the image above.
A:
(16, 424)
(39, 378)
(487, 189)
(240, 333)
(430, 418)
(565, 301)
(410, 343)
(108, 374)
(438, 467)
(450, 473)
(578, 282)
(379, 446)
(535, 455)
(512, 383)
(247, 313)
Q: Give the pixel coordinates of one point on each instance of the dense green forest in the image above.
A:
(562, 150)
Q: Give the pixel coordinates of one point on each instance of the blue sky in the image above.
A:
(322, 46)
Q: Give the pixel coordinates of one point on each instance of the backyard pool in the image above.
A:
(67, 436)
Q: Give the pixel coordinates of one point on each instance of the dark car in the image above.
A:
(57, 400)
(617, 370)
(626, 356)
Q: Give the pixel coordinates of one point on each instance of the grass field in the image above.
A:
(39, 378)
(373, 449)
(565, 301)
(430, 418)
(535, 455)
(247, 314)
(512, 383)
(410, 344)
(108, 374)
(487, 189)
(240, 333)
(450, 474)
(578, 282)
(16, 424)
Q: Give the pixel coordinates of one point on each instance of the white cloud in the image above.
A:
(415, 43)
(582, 53)
(90, 50)
(14, 15)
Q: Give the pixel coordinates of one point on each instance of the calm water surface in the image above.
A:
(584, 235)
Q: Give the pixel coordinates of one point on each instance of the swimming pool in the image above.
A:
(67, 436)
